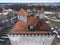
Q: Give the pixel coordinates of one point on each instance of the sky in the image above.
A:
(29, 1)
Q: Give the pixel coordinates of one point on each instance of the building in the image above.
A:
(30, 30)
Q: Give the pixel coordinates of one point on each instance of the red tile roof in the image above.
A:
(20, 25)
(21, 28)
(32, 20)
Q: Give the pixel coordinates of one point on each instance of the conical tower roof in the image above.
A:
(42, 10)
(4, 10)
(22, 12)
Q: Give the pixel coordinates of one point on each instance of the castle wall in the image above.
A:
(31, 39)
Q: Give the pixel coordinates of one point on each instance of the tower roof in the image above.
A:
(42, 10)
(22, 12)
(4, 10)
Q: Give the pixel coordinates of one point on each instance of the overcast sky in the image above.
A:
(29, 1)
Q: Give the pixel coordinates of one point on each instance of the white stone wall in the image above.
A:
(23, 18)
(41, 16)
(31, 39)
